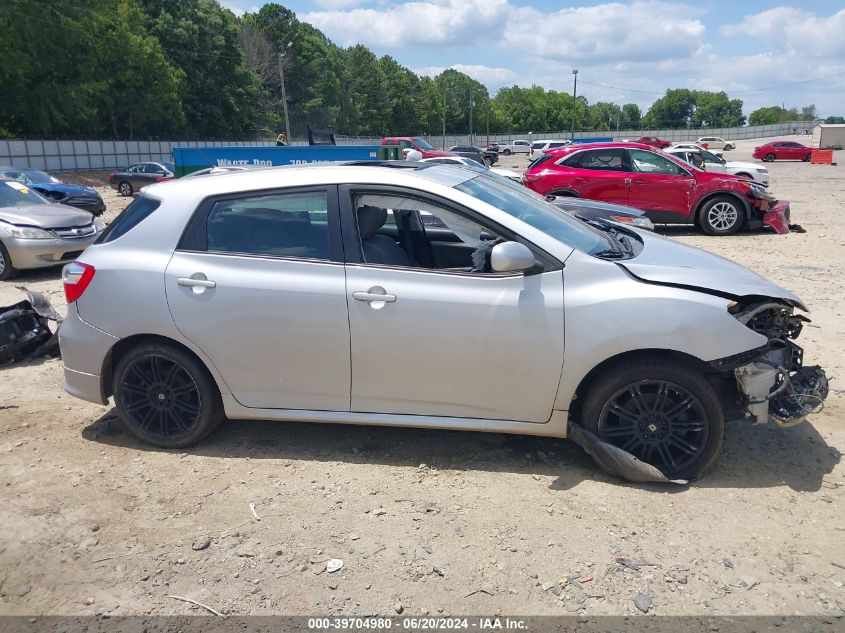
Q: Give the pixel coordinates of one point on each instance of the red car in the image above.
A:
(783, 150)
(653, 141)
(413, 142)
(669, 190)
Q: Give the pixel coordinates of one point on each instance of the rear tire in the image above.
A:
(665, 413)
(125, 188)
(7, 271)
(770, 158)
(721, 215)
(807, 158)
(165, 396)
(506, 152)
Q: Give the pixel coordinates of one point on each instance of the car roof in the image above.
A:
(271, 178)
(579, 146)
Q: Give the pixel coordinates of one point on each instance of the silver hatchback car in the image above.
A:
(319, 294)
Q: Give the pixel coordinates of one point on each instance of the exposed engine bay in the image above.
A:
(776, 385)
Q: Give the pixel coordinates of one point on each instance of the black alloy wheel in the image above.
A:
(165, 396)
(664, 412)
(658, 421)
(770, 158)
(161, 397)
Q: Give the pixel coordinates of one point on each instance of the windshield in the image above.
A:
(40, 177)
(422, 144)
(524, 204)
(15, 194)
(170, 166)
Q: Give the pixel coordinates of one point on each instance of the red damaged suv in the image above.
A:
(669, 190)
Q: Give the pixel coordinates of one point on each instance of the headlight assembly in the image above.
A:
(29, 233)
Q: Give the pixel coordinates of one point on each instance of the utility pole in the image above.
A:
(443, 138)
(284, 96)
(470, 118)
(574, 100)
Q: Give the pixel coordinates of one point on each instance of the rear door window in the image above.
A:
(610, 159)
(276, 225)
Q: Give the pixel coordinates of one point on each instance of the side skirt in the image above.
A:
(555, 427)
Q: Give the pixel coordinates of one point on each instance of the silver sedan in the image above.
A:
(36, 233)
(319, 294)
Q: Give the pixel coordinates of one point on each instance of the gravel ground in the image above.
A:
(430, 522)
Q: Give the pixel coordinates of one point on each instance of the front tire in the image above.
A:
(721, 215)
(665, 413)
(807, 158)
(165, 396)
(125, 188)
(7, 271)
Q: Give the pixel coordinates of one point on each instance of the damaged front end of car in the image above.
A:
(766, 210)
(773, 384)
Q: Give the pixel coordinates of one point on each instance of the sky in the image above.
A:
(625, 52)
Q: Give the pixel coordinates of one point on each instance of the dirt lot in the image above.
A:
(431, 522)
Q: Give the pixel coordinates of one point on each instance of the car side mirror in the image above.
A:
(511, 257)
(724, 161)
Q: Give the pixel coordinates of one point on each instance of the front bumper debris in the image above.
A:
(24, 333)
(775, 385)
(614, 460)
(777, 217)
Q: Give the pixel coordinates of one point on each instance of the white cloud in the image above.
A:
(612, 32)
(432, 22)
(795, 30)
(338, 4)
(488, 75)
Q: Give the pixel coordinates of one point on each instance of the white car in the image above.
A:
(715, 142)
(708, 161)
(694, 146)
(462, 160)
(538, 148)
(514, 147)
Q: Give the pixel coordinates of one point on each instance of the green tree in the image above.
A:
(201, 38)
(673, 110)
(768, 115)
(631, 116)
(403, 92)
(603, 116)
(314, 67)
(87, 69)
(364, 98)
(715, 109)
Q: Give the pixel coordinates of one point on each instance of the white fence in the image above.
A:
(55, 155)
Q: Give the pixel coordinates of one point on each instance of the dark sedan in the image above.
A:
(55, 190)
(591, 210)
(487, 156)
(140, 175)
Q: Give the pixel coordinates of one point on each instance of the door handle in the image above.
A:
(640, 181)
(373, 296)
(190, 282)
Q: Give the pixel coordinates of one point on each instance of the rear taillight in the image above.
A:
(531, 176)
(76, 277)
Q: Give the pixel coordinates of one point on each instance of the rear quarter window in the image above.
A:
(129, 218)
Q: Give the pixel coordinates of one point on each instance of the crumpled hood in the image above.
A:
(66, 189)
(665, 261)
(46, 216)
